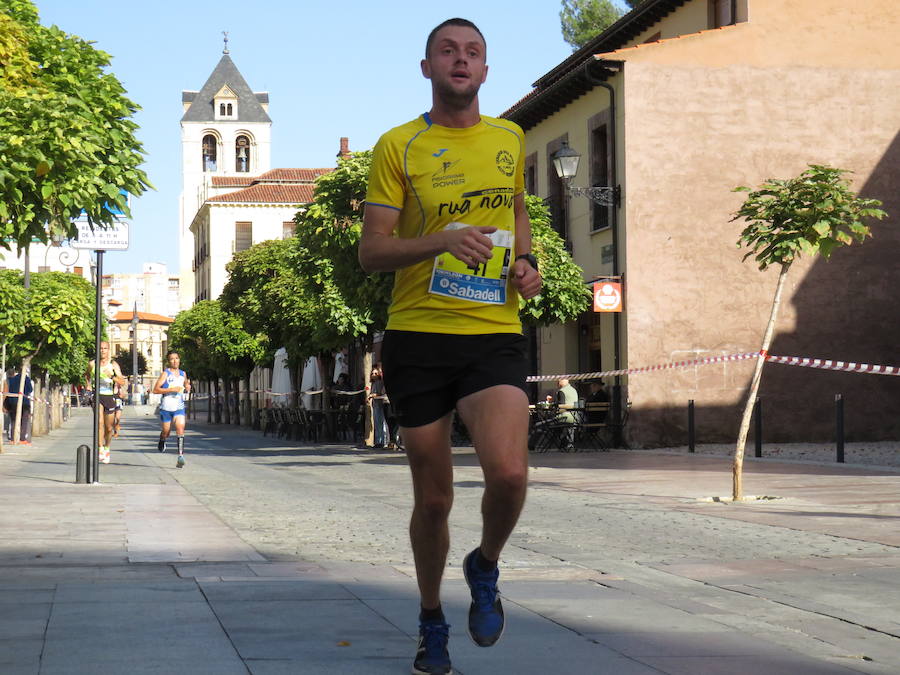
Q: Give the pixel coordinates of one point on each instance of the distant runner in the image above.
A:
(110, 379)
(173, 384)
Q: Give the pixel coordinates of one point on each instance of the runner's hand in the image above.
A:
(526, 279)
(470, 245)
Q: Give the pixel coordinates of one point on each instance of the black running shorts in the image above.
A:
(108, 403)
(425, 374)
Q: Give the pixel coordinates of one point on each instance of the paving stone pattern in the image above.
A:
(266, 556)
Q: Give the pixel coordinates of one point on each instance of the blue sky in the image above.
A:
(340, 68)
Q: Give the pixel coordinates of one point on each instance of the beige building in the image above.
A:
(676, 104)
(154, 290)
(151, 338)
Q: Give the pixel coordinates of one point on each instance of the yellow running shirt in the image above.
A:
(441, 177)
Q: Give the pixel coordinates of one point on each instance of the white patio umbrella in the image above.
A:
(281, 379)
(311, 380)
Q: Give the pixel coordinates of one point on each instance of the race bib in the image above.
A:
(484, 283)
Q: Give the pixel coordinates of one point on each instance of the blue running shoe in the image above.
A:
(432, 657)
(180, 463)
(486, 620)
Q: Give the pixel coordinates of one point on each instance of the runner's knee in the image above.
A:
(434, 507)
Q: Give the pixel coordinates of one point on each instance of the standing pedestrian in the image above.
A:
(172, 384)
(446, 209)
(11, 404)
(110, 379)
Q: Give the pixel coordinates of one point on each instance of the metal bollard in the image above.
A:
(757, 411)
(691, 425)
(839, 426)
(82, 453)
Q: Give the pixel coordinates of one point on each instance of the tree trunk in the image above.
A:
(17, 422)
(369, 424)
(217, 402)
(2, 391)
(226, 398)
(209, 402)
(737, 470)
(248, 412)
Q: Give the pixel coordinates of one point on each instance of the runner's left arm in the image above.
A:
(525, 278)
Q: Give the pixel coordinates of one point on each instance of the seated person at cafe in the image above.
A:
(564, 421)
(598, 395)
(566, 397)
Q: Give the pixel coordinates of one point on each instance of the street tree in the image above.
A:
(814, 213)
(57, 328)
(265, 288)
(564, 295)
(12, 315)
(125, 359)
(67, 138)
(582, 20)
(221, 344)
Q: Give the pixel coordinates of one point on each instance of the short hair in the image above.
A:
(451, 22)
(173, 351)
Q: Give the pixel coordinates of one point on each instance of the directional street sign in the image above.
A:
(111, 238)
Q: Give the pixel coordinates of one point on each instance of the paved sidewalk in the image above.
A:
(136, 575)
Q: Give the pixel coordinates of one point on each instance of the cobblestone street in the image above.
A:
(621, 561)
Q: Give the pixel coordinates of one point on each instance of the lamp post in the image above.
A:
(565, 162)
(134, 358)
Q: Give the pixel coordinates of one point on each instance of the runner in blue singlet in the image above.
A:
(172, 385)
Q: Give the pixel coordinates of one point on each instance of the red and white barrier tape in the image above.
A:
(827, 364)
(824, 364)
(645, 369)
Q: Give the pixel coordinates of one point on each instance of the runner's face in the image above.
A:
(456, 65)
(104, 350)
(174, 360)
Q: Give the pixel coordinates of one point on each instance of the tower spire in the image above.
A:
(225, 33)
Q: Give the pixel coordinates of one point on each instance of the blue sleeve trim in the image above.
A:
(387, 206)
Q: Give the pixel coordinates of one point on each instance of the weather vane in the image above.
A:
(225, 33)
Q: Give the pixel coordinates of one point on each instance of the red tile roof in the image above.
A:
(269, 194)
(301, 175)
(125, 317)
(232, 181)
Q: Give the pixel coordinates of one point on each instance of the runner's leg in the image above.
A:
(431, 464)
(497, 419)
(163, 435)
(179, 433)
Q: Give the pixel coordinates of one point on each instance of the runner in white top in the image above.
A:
(172, 384)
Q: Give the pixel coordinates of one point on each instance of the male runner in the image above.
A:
(173, 384)
(450, 186)
(110, 379)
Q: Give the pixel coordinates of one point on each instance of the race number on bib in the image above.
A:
(484, 283)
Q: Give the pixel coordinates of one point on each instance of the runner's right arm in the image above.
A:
(381, 251)
(158, 387)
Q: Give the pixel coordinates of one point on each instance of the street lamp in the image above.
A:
(565, 161)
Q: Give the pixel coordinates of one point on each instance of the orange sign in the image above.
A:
(607, 296)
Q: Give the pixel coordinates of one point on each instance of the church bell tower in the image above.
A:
(226, 135)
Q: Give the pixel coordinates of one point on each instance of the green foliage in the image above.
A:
(564, 295)
(266, 290)
(12, 305)
(214, 343)
(582, 20)
(53, 324)
(813, 213)
(125, 360)
(67, 140)
(351, 303)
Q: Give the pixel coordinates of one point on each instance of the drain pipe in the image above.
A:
(614, 226)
